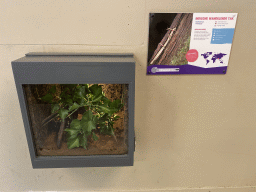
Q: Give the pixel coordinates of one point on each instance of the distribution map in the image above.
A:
(210, 56)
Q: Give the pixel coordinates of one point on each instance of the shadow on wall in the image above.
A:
(154, 119)
(89, 177)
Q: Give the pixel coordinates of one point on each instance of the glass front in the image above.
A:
(78, 119)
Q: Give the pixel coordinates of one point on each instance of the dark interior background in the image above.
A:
(158, 25)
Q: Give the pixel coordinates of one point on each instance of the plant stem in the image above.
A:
(72, 112)
(49, 120)
(37, 93)
(114, 137)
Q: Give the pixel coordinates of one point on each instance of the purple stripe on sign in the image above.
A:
(183, 69)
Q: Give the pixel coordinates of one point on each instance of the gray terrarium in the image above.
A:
(77, 109)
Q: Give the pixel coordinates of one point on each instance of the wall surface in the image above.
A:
(194, 132)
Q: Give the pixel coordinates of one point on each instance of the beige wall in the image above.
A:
(194, 132)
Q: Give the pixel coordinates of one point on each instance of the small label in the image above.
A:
(192, 55)
(155, 70)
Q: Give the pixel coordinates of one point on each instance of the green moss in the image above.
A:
(180, 58)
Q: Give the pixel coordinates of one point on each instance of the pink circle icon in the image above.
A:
(192, 55)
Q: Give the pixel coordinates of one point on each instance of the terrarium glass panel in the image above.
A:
(78, 119)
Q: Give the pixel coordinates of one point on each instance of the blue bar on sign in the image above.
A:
(222, 36)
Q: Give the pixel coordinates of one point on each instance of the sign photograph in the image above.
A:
(190, 43)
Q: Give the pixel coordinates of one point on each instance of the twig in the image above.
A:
(37, 93)
(73, 112)
(123, 93)
(52, 116)
(163, 46)
(49, 121)
(49, 117)
(114, 137)
(60, 134)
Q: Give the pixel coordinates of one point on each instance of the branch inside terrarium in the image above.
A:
(60, 134)
(49, 118)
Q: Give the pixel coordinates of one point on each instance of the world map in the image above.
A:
(213, 56)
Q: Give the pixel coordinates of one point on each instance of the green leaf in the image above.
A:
(87, 115)
(95, 119)
(70, 86)
(53, 89)
(55, 107)
(107, 109)
(111, 129)
(91, 126)
(97, 93)
(80, 101)
(74, 106)
(69, 101)
(80, 92)
(63, 93)
(111, 123)
(88, 121)
(82, 140)
(97, 98)
(47, 98)
(72, 143)
(71, 136)
(72, 131)
(102, 123)
(86, 88)
(75, 124)
(116, 117)
(105, 117)
(102, 120)
(107, 130)
(94, 136)
(96, 89)
(88, 126)
(115, 104)
(105, 100)
(63, 113)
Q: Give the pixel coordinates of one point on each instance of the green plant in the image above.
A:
(180, 58)
(99, 111)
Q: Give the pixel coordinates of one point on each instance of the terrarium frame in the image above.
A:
(76, 68)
